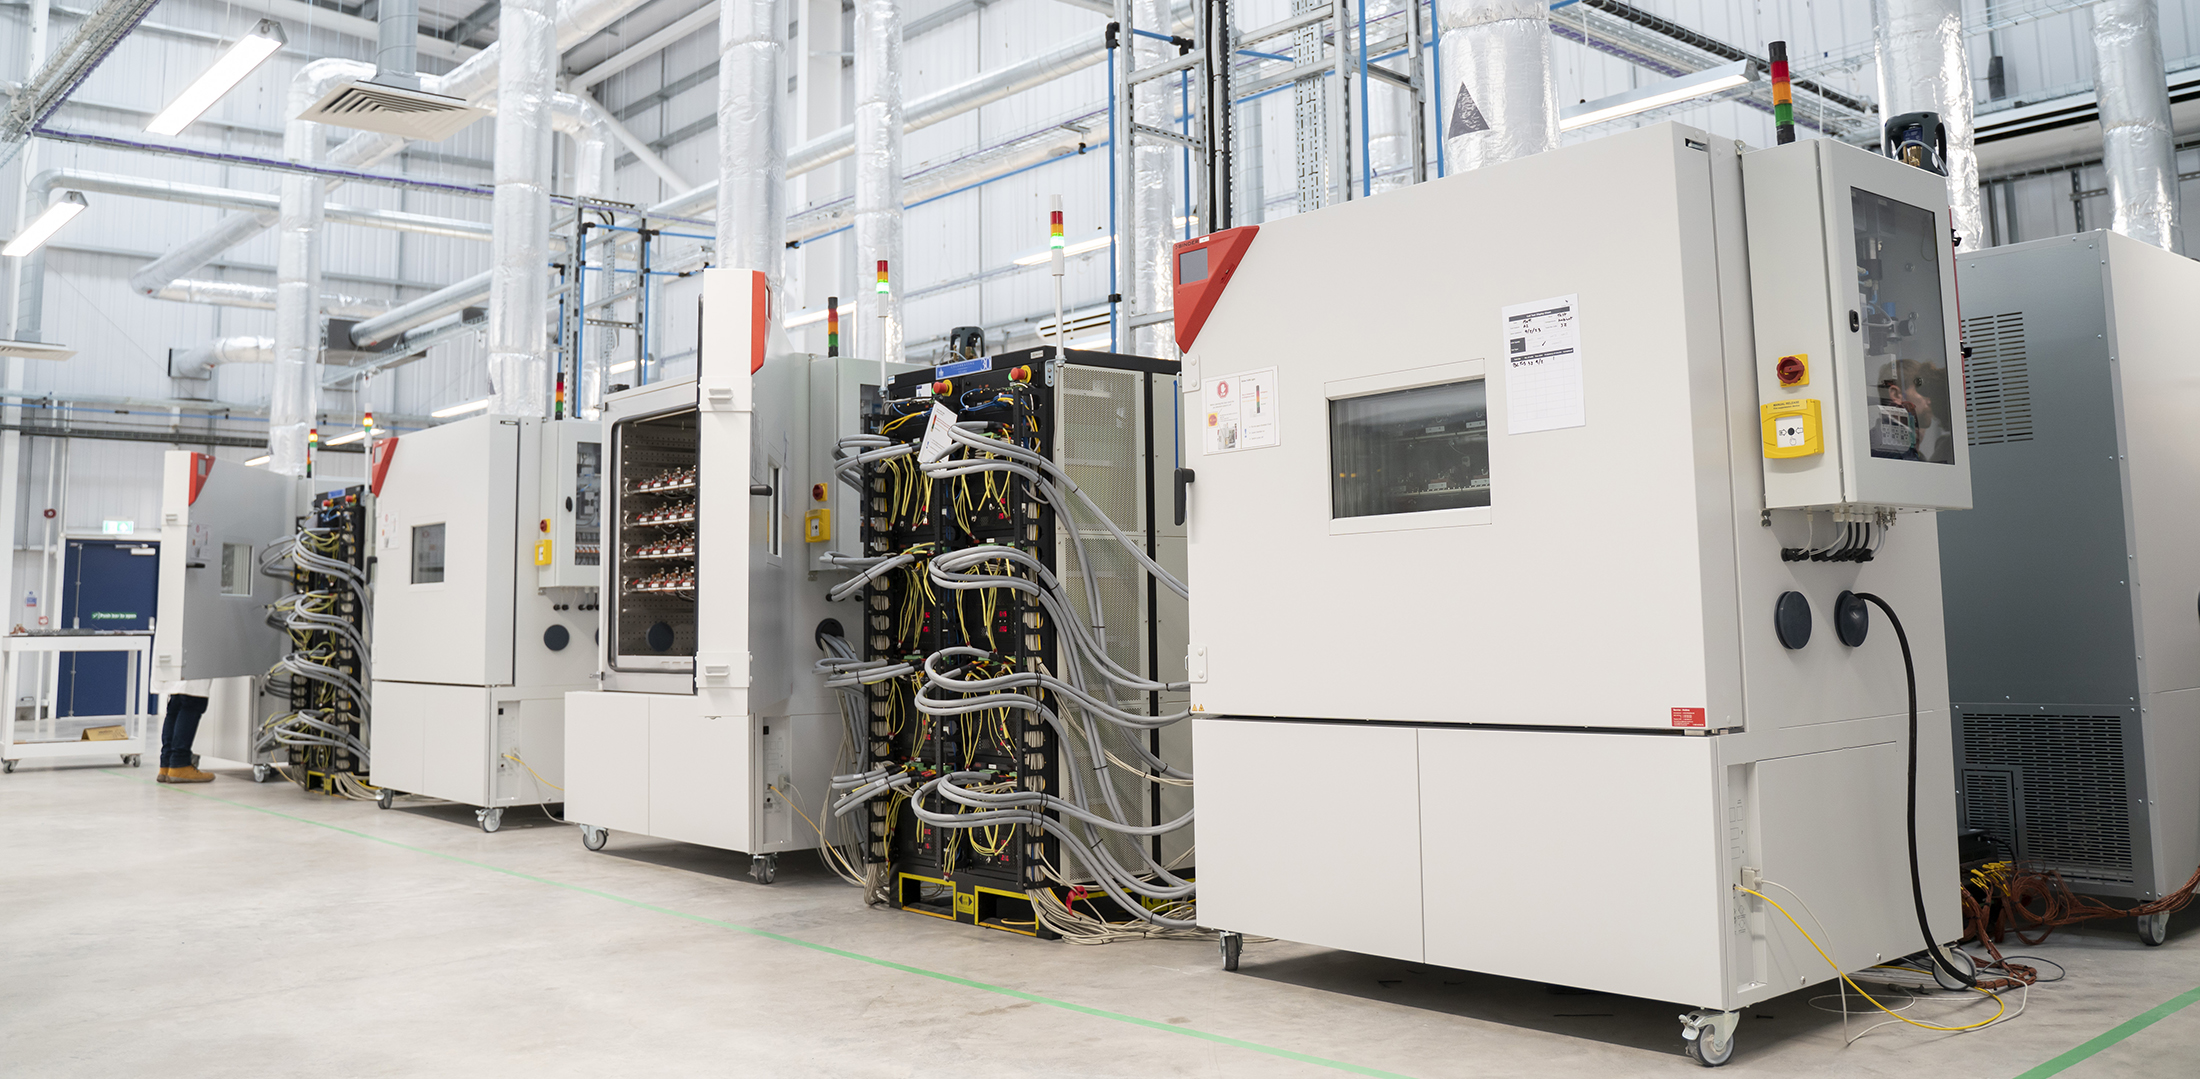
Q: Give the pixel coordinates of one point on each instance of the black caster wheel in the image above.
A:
(764, 868)
(593, 837)
(133, 760)
(1707, 1037)
(1233, 945)
(385, 798)
(491, 819)
(7, 766)
(1700, 1050)
(2153, 929)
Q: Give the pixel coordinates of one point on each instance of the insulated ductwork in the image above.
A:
(1498, 101)
(295, 398)
(2138, 144)
(752, 157)
(1923, 68)
(878, 131)
(201, 361)
(519, 346)
(262, 297)
(1147, 269)
(591, 130)
(388, 326)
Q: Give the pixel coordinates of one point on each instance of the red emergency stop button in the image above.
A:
(1793, 370)
(817, 492)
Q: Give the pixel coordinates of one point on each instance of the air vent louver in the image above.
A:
(1997, 380)
(393, 110)
(2058, 784)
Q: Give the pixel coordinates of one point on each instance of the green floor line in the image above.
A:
(968, 983)
(2126, 1029)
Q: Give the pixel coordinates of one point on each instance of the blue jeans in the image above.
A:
(180, 729)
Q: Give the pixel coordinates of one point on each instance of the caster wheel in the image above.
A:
(764, 868)
(2153, 929)
(261, 773)
(593, 837)
(1233, 944)
(7, 766)
(1962, 961)
(491, 819)
(386, 798)
(131, 759)
(1700, 1049)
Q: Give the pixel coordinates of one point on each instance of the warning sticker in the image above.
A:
(1242, 412)
(1688, 717)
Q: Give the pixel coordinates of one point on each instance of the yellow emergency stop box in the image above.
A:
(1792, 428)
(817, 525)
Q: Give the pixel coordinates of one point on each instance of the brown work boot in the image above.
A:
(185, 774)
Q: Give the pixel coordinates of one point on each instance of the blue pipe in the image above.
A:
(1367, 169)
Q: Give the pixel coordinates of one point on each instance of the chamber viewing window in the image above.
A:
(1191, 266)
(1898, 251)
(236, 569)
(1408, 451)
(427, 554)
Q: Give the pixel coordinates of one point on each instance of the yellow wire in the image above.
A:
(514, 758)
(2003, 1005)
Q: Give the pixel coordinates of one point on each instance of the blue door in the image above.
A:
(106, 584)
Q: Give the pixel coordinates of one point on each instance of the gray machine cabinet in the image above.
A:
(2073, 638)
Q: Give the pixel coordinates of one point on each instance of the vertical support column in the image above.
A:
(1310, 116)
(1217, 113)
(878, 124)
(519, 362)
(1923, 67)
(11, 368)
(2138, 143)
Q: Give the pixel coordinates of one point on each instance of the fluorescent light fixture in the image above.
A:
(35, 350)
(248, 53)
(1657, 96)
(619, 368)
(347, 439)
(460, 410)
(1083, 248)
(799, 321)
(260, 460)
(58, 213)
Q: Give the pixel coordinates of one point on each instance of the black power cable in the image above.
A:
(1917, 884)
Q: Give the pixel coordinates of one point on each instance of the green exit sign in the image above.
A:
(118, 528)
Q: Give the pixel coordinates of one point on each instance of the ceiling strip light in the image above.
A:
(58, 213)
(248, 53)
(1671, 92)
(460, 410)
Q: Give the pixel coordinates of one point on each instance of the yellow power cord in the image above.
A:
(2003, 1005)
(514, 758)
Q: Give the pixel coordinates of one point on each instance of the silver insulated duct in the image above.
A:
(2138, 147)
(1498, 99)
(1923, 68)
(1148, 269)
(752, 153)
(878, 129)
(295, 397)
(519, 285)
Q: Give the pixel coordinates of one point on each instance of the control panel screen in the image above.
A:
(1898, 252)
(427, 554)
(1408, 451)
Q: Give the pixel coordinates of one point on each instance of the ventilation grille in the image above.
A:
(393, 110)
(1997, 380)
(2054, 785)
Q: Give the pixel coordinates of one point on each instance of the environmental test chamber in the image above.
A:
(2073, 647)
(223, 581)
(488, 539)
(1550, 584)
(708, 725)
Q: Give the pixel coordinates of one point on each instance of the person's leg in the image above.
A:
(168, 735)
(185, 711)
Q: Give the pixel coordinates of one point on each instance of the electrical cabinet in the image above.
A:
(1545, 527)
(487, 540)
(2073, 651)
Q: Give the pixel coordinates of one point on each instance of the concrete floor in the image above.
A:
(235, 929)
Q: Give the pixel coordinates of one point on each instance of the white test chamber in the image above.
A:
(487, 539)
(1537, 721)
(709, 719)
